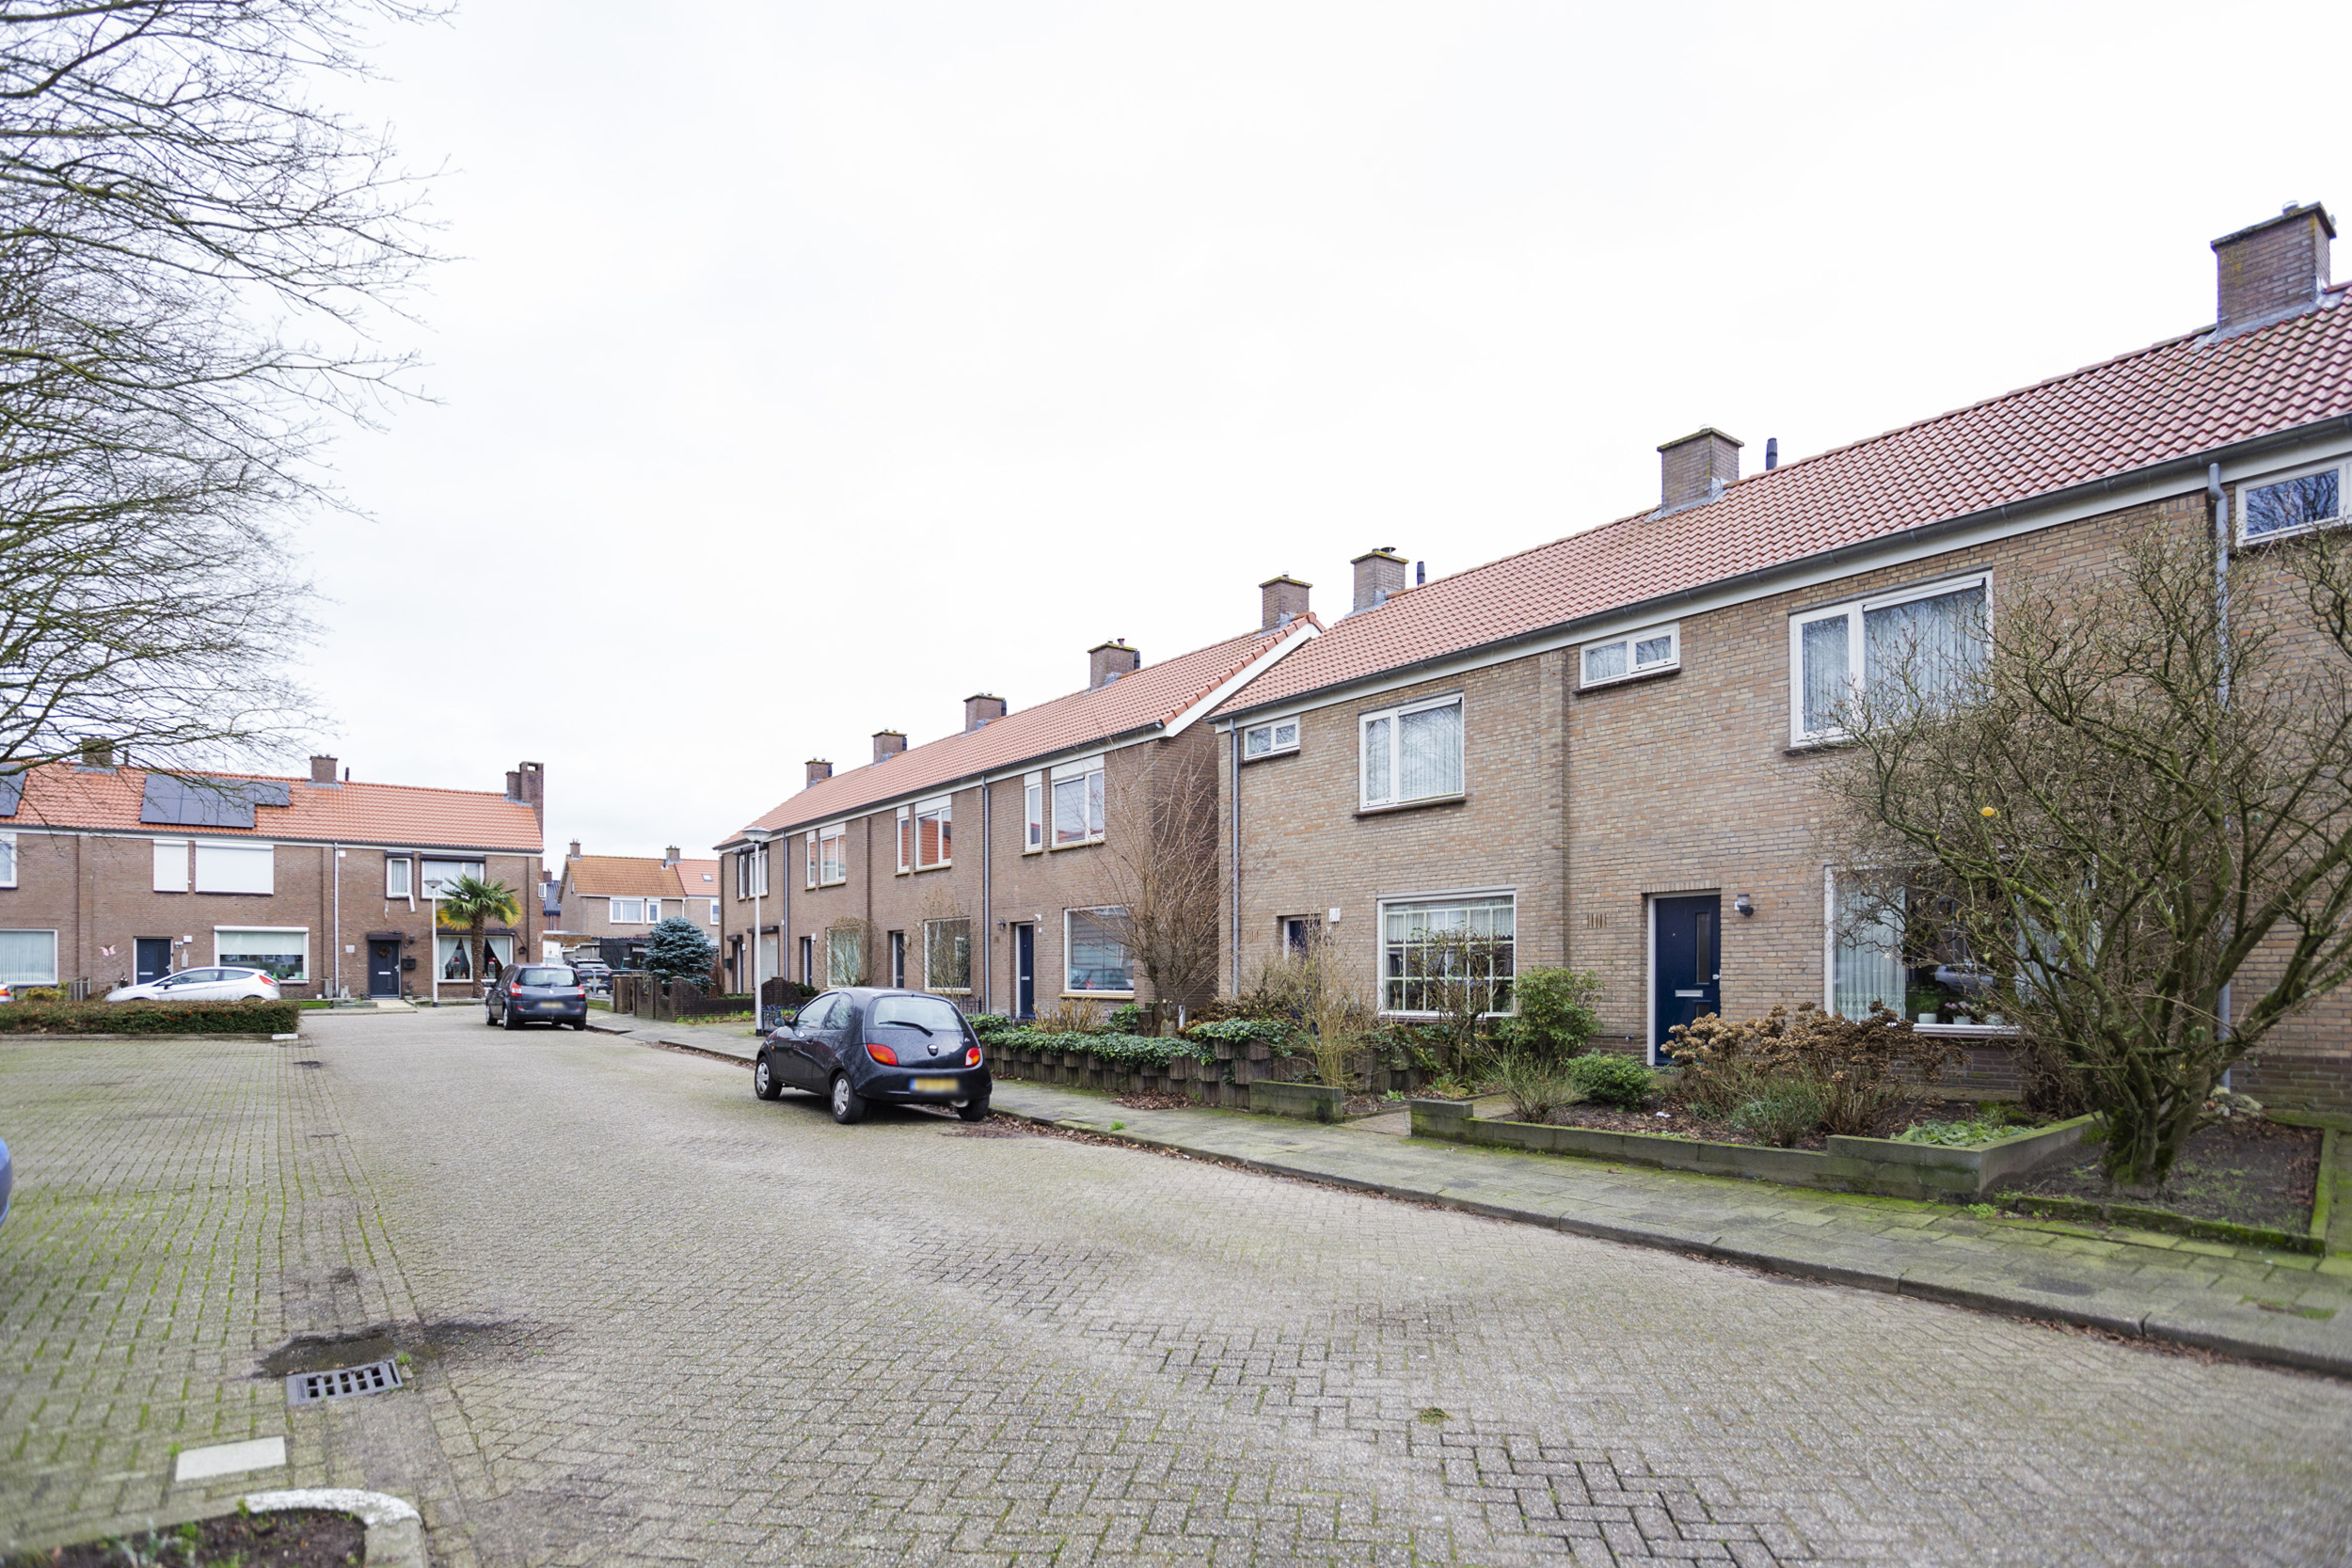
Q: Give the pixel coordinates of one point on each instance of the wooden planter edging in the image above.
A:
(1877, 1165)
(1306, 1101)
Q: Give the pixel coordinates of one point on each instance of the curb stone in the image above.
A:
(395, 1530)
(2175, 1325)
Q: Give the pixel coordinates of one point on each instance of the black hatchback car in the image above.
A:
(537, 993)
(861, 1045)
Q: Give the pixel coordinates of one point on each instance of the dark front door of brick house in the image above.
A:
(155, 957)
(1686, 963)
(383, 967)
(1024, 971)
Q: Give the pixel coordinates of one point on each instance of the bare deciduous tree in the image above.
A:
(2088, 831)
(1160, 873)
(193, 251)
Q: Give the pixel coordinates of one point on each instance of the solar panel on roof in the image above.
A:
(11, 791)
(170, 801)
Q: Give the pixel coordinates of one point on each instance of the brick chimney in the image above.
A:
(1107, 661)
(1694, 470)
(669, 856)
(1281, 601)
(98, 753)
(2274, 269)
(1378, 573)
(982, 708)
(575, 851)
(530, 787)
(888, 744)
(322, 771)
(818, 771)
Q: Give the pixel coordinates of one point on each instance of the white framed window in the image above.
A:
(1078, 802)
(236, 868)
(751, 872)
(283, 951)
(714, 912)
(1648, 652)
(1874, 951)
(767, 970)
(906, 840)
(808, 959)
(845, 956)
(7, 861)
(1033, 814)
(832, 854)
(947, 956)
(934, 833)
(399, 877)
(1271, 738)
(1430, 946)
(1933, 634)
(436, 875)
(453, 954)
(812, 865)
(1095, 960)
(633, 911)
(28, 957)
(1412, 751)
(2292, 503)
(171, 866)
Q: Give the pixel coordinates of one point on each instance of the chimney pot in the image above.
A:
(1107, 661)
(1694, 470)
(322, 770)
(98, 753)
(1378, 573)
(819, 771)
(1281, 600)
(575, 851)
(888, 744)
(982, 708)
(532, 788)
(669, 856)
(2273, 269)
(1772, 452)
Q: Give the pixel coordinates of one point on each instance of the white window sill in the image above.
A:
(1098, 996)
(1269, 757)
(1650, 675)
(943, 865)
(2279, 535)
(1455, 800)
(1968, 1031)
(1081, 844)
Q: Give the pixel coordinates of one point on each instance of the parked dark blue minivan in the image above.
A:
(862, 1044)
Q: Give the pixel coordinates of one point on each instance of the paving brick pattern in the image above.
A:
(654, 1320)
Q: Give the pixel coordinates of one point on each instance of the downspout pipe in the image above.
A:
(1233, 742)
(2217, 497)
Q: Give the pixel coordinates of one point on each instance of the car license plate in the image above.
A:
(935, 1086)
(553, 1007)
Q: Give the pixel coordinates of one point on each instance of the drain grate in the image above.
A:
(343, 1382)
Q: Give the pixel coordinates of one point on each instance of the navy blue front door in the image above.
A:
(154, 959)
(1024, 971)
(1686, 975)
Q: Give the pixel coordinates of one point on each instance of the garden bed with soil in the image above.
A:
(2240, 1172)
(298, 1538)
(1682, 1122)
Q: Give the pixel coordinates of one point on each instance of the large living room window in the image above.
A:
(28, 957)
(1096, 960)
(455, 955)
(947, 955)
(1413, 752)
(1431, 948)
(1925, 640)
(283, 951)
(1886, 947)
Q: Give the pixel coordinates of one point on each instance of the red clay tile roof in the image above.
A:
(698, 879)
(1154, 694)
(2175, 399)
(631, 877)
(396, 815)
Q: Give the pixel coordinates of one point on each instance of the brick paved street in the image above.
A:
(652, 1320)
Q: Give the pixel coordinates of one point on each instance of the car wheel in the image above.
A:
(508, 1017)
(847, 1104)
(973, 1110)
(765, 1083)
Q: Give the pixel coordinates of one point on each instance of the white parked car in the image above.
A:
(203, 985)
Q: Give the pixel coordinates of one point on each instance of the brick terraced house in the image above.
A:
(974, 865)
(1603, 749)
(110, 873)
(610, 899)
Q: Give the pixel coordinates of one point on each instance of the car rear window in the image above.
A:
(536, 977)
(928, 1012)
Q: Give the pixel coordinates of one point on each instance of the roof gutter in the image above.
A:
(2192, 466)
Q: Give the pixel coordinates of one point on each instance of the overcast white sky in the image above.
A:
(810, 367)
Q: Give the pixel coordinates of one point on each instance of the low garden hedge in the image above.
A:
(149, 1018)
(1118, 1050)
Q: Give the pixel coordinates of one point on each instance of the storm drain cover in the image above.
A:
(343, 1382)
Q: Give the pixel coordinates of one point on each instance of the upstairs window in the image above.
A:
(714, 912)
(934, 833)
(437, 875)
(1271, 738)
(1078, 802)
(631, 911)
(1413, 752)
(1641, 653)
(833, 855)
(1033, 814)
(7, 862)
(906, 840)
(2295, 504)
(399, 872)
(751, 873)
(812, 860)
(235, 868)
(1925, 640)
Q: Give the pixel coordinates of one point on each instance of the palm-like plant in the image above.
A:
(473, 903)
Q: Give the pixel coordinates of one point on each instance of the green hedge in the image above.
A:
(1118, 1050)
(149, 1018)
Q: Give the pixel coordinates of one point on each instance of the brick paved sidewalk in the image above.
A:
(2281, 1308)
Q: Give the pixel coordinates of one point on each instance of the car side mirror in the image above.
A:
(789, 1017)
